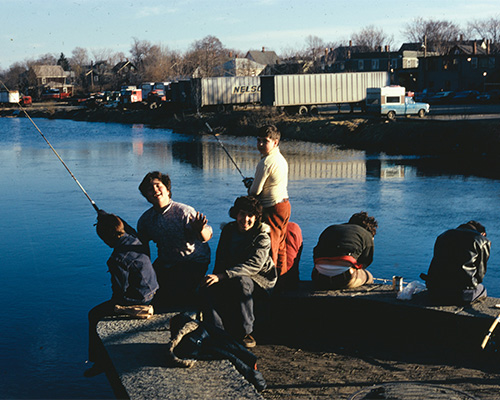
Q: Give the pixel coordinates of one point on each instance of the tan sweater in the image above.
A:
(271, 179)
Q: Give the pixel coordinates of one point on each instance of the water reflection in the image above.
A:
(305, 160)
(53, 264)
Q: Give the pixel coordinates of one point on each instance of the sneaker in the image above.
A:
(94, 370)
(248, 341)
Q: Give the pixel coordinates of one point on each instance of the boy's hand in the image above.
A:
(201, 227)
(199, 222)
(248, 182)
(211, 280)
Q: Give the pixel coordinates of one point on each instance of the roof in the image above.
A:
(49, 71)
(467, 49)
(123, 64)
(263, 57)
(237, 63)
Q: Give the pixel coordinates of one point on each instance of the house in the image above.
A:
(264, 57)
(240, 67)
(48, 77)
(402, 64)
(468, 65)
(125, 73)
(97, 75)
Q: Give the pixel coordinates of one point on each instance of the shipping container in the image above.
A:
(303, 93)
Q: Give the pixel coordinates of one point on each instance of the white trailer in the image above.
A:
(9, 97)
(225, 92)
(304, 93)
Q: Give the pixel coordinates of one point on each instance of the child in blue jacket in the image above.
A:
(133, 279)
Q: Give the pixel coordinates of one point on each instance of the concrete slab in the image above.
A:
(138, 352)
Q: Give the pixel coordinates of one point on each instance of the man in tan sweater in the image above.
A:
(270, 187)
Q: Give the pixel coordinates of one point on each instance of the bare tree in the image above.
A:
(110, 56)
(291, 53)
(46, 59)
(203, 56)
(79, 62)
(15, 78)
(437, 33)
(79, 56)
(139, 51)
(315, 47)
(372, 38)
(158, 64)
(486, 28)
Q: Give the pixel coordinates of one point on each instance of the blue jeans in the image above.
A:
(228, 305)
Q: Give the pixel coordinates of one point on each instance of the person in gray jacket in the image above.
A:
(243, 266)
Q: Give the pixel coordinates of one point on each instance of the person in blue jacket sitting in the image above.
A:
(133, 279)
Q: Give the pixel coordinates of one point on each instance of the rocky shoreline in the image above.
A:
(471, 143)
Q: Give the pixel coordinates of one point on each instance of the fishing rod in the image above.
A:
(222, 145)
(490, 332)
(54, 150)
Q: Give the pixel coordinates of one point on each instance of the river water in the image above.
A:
(53, 264)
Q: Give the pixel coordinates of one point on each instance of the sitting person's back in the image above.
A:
(459, 265)
(344, 252)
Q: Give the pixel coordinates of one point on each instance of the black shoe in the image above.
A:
(94, 370)
(248, 341)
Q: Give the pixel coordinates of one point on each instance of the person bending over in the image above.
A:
(181, 236)
(133, 280)
(243, 268)
(343, 253)
(458, 266)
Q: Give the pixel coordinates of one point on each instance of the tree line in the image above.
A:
(157, 62)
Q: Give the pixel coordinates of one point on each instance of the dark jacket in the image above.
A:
(193, 340)
(133, 279)
(459, 262)
(346, 240)
(246, 254)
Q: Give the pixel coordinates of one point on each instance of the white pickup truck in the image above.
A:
(392, 101)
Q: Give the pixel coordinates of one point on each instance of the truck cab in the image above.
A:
(391, 101)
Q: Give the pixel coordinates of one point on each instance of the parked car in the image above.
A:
(26, 100)
(441, 98)
(54, 94)
(465, 97)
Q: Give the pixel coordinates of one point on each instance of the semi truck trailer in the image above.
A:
(303, 93)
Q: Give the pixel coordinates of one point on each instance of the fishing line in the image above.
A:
(54, 150)
(222, 145)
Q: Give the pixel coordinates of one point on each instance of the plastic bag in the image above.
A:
(410, 289)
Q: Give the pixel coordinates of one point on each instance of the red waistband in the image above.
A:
(349, 259)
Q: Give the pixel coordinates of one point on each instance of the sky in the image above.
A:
(32, 28)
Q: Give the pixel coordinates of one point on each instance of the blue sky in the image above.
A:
(31, 28)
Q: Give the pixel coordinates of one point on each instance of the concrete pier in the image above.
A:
(137, 348)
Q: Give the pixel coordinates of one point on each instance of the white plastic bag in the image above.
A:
(410, 289)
